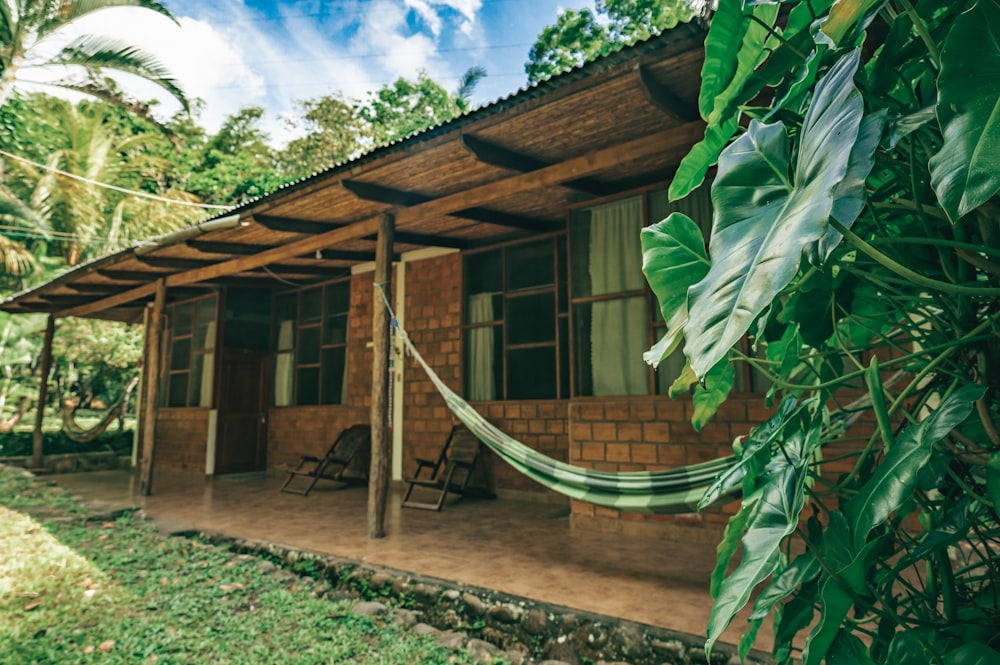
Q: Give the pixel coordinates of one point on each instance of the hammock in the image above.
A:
(651, 492)
(75, 432)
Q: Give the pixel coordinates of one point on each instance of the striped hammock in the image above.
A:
(650, 492)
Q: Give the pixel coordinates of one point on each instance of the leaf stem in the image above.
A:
(906, 273)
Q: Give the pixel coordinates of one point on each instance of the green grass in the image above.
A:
(74, 590)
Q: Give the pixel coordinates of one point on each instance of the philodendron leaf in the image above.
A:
(734, 47)
(893, 481)
(766, 216)
(850, 195)
(776, 505)
(761, 438)
(993, 479)
(673, 258)
(710, 395)
(975, 653)
(965, 173)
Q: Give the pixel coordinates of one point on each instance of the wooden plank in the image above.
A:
(593, 163)
(286, 251)
(37, 441)
(378, 475)
(234, 266)
(153, 352)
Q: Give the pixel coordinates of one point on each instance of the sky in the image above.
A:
(271, 53)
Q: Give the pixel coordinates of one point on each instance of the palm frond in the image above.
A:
(13, 212)
(98, 53)
(66, 12)
(470, 79)
(15, 259)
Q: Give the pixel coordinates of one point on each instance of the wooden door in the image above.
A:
(241, 442)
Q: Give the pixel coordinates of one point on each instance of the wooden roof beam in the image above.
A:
(427, 240)
(172, 263)
(129, 275)
(673, 142)
(505, 158)
(243, 249)
(662, 97)
(292, 225)
(234, 266)
(397, 197)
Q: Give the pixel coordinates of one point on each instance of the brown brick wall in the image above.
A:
(648, 434)
(181, 439)
(294, 431)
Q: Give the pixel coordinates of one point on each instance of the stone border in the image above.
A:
(490, 624)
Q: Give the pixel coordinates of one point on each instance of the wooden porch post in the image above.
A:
(43, 393)
(378, 476)
(153, 347)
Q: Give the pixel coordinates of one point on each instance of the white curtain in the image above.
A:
(618, 327)
(284, 364)
(208, 365)
(482, 380)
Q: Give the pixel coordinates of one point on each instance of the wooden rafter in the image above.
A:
(662, 97)
(398, 197)
(505, 158)
(235, 266)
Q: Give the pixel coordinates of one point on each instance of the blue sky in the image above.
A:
(234, 53)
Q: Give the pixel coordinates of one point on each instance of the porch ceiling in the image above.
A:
(507, 170)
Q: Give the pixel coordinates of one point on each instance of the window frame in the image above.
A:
(313, 326)
(559, 292)
(196, 351)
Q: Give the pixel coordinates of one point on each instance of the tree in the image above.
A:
(87, 219)
(331, 134)
(854, 240)
(30, 29)
(338, 128)
(580, 35)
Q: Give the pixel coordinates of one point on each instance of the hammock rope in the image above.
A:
(651, 492)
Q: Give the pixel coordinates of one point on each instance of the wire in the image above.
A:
(132, 192)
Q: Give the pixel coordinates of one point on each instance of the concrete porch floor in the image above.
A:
(521, 548)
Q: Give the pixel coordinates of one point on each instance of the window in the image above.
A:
(311, 345)
(528, 305)
(611, 302)
(190, 361)
(516, 322)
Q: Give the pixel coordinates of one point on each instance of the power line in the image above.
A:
(116, 188)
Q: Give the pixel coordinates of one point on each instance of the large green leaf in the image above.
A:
(692, 169)
(893, 481)
(776, 505)
(709, 395)
(673, 258)
(975, 653)
(965, 173)
(765, 216)
(734, 30)
(993, 478)
(848, 649)
(763, 437)
(851, 195)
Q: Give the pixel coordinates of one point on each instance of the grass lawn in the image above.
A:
(74, 590)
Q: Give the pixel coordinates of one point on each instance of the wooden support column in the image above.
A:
(378, 476)
(153, 353)
(43, 394)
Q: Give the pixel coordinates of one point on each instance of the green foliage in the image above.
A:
(18, 443)
(855, 242)
(25, 26)
(580, 35)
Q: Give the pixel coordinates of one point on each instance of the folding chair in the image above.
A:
(452, 471)
(351, 442)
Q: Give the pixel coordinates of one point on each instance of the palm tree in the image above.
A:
(84, 218)
(30, 30)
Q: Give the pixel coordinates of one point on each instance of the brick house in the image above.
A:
(516, 271)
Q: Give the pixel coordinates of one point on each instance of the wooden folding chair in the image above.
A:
(351, 442)
(452, 471)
